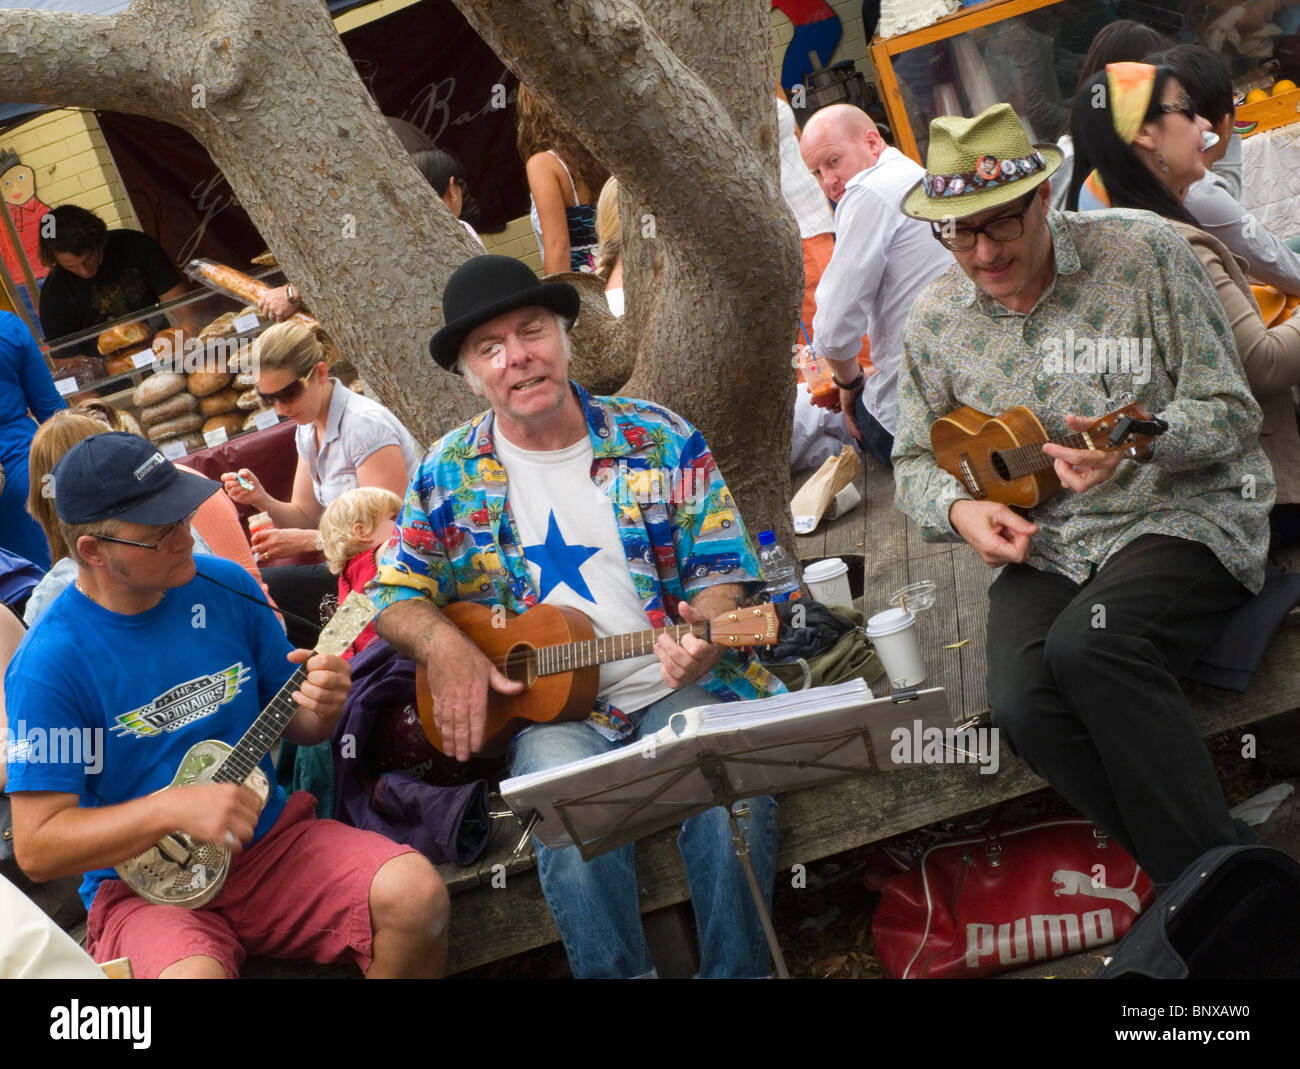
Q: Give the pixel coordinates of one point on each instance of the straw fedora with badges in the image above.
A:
(977, 164)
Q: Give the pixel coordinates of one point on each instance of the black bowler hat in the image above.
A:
(121, 476)
(486, 287)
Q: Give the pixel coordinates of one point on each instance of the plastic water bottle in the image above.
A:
(778, 569)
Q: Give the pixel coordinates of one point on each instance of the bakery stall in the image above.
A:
(1029, 53)
(183, 391)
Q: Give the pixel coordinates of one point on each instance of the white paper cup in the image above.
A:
(893, 633)
(829, 582)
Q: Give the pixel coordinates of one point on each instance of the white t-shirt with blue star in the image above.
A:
(575, 556)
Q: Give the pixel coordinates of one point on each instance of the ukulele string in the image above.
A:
(532, 651)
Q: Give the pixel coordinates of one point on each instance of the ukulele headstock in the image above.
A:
(1131, 430)
(757, 625)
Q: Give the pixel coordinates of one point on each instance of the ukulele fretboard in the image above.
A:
(550, 660)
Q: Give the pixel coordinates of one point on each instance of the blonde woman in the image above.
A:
(609, 229)
(344, 441)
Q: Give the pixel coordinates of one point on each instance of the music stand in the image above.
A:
(681, 772)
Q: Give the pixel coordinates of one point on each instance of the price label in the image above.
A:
(265, 418)
(247, 322)
(174, 449)
(144, 358)
(804, 524)
(216, 437)
(66, 387)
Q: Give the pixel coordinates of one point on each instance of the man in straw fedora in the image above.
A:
(1112, 588)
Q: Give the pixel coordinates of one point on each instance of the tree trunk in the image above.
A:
(675, 99)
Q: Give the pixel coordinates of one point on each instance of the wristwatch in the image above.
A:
(289, 293)
(320, 542)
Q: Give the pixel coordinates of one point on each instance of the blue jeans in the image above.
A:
(875, 439)
(595, 903)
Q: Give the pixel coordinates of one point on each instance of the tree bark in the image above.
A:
(674, 97)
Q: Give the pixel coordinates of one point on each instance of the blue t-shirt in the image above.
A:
(105, 706)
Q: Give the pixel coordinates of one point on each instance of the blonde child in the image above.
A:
(354, 528)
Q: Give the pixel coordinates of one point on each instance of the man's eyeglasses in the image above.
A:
(289, 394)
(1181, 106)
(963, 238)
(167, 532)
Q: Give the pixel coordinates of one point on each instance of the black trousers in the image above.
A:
(1083, 681)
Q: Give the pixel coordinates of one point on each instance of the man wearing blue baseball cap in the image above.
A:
(150, 652)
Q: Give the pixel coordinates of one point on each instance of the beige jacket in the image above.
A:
(1269, 356)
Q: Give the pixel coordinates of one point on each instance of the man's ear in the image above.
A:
(92, 551)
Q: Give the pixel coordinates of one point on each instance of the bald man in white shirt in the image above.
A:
(882, 260)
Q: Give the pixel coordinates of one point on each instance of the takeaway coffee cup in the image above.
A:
(893, 633)
(829, 582)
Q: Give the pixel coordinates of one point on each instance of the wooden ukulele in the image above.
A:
(553, 649)
(181, 871)
(1000, 458)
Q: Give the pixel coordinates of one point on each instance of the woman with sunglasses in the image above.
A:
(344, 441)
(1137, 134)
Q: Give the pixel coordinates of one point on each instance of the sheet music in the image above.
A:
(766, 746)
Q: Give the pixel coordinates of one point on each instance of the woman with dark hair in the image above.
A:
(444, 172)
(1136, 125)
(563, 181)
(1122, 40)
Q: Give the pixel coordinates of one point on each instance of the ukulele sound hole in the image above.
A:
(519, 664)
(1000, 466)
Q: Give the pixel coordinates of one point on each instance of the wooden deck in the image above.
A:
(498, 909)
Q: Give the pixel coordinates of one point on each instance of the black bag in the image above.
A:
(58, 898)
(1232, 915)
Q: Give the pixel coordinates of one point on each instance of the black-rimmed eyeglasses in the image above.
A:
(962, 238)
(167, 532)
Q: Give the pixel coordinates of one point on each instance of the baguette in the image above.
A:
(157, 387)
(178, 404)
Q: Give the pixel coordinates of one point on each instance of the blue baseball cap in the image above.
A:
(120, 476)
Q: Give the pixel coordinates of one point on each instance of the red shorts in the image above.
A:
(302, 891)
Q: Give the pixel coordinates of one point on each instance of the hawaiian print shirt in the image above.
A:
(680, 529)
(1131, 315)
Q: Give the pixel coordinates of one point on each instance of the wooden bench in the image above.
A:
(498, 909)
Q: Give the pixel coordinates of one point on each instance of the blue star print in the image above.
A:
(559, 562)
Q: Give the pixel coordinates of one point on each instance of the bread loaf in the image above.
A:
(202, 383)
(173, 428)
(157, 387)
(232, 422)
(250, 400)
(244, 380)
(177, 405)
(217, 403)
(85, 369)
(119, 337)
(169, 344)
(116, 365)
(219, 327)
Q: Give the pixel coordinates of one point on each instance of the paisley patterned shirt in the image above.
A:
(457, 539)
(1131, 315)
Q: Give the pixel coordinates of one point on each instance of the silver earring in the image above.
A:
(1160, 162)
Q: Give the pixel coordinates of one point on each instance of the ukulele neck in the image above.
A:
(551, 660)
(1023, 459)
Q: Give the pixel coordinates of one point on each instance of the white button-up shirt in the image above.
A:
(882, 260)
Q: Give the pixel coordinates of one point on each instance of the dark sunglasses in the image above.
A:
(167, 532)
(289, 394)
(1182, 106)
